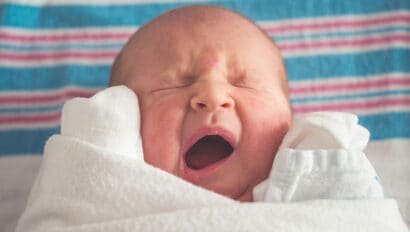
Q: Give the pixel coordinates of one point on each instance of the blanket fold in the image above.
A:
(84, 188)
(85, 185)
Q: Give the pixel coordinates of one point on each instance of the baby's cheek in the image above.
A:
(160, 132)
(265, 125)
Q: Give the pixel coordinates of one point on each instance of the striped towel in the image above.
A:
(351, 56)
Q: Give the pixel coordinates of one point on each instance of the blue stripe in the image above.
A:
(341, 96)
(53, 77)
(387, 126)
(24, 141)
(136, 14)
(67, 16)
(59, 47)
(264, 10)
(348, 65)
(340, 34)
(381, 126)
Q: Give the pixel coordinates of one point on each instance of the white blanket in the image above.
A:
(85, 185)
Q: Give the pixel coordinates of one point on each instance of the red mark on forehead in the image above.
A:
(211, 58)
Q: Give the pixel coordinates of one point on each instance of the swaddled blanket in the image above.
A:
(93, 178)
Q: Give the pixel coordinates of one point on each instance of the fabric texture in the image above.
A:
(321, 157)
(85, 185)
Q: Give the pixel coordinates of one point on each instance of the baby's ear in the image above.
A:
(110, 120)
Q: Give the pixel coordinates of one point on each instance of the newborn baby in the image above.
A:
(214, 105)
(213, 97)
(211, 92)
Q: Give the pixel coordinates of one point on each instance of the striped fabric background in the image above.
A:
(350, 55)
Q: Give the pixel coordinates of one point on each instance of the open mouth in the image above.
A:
(207, 151)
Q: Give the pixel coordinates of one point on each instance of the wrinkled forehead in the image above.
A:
(175, 38)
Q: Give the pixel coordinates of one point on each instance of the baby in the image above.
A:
(213, 97)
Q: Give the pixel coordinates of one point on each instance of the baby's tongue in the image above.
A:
(206, 151)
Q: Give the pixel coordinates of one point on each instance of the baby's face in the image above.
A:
(213, 107)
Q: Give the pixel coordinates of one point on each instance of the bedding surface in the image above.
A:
(351, 56)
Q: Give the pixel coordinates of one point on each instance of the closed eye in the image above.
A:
(175, 83)
(167, 88)
(242, 82)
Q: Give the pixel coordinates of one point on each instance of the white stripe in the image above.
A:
(97, 2)
(68, 31)
(50, 62)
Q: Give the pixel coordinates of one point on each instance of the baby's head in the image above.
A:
(212, 89)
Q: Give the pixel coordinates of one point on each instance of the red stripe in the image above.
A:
(32, 99)
(364, 105)
(31, 118)
(325, 87)
(345, 42)
(84, 36)
(57, 55)
(322, 25)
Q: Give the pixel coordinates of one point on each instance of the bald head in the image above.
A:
(200, 21)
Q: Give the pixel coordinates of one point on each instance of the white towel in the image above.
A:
(86, 185)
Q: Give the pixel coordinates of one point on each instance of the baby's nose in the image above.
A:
(212, 97)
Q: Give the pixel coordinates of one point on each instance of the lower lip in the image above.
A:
(196, 175)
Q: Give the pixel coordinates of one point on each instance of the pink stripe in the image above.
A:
(33, 99)
(345, 42)
(57, 55)
(326, 87)
(32, 118)
(364, 105)
(80, 36)
(338, 24)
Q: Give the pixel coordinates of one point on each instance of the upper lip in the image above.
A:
(220, 131)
